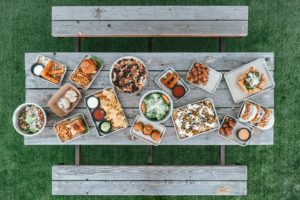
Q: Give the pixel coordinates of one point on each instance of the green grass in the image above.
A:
(273, 171)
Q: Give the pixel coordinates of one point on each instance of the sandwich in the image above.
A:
(259, 115)
(252, 81)
(248, 112)
(267, 120)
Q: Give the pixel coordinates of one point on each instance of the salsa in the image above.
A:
(178, 91)
(99, 114)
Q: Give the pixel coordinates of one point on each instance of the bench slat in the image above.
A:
(149, 188)
(149, 173)
(160, 60)
(48, 137)
(150, 13)
(149, 29)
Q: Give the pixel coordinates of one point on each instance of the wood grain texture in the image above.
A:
(155, 62)
(159, 60)
(141, 188)
(122, 13)
(150, 21)
(48, 137)
(149, 173)
(221, 98)
(149, 28)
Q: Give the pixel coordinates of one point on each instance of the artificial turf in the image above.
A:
(273, 171)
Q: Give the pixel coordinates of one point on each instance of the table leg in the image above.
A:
(222, 147)
(149, 148)
(77, 44)
(149, 154)
(77, 154)
(222, 155)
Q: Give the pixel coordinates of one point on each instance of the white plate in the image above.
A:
(233, 137)
(232, 77)
(147, 138)
(214, 79)
(168, 90)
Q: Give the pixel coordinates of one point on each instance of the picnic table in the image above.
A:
(149, 21)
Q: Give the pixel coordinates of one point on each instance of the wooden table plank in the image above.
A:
(149, 28)
(149, 188)
(159, 60)
(48, 137)
(103, 81)
(156, 62)
(149, 173)
(221, 98)
(149, 13)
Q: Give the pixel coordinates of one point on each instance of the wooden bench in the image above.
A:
(149, 180)
(149, 21)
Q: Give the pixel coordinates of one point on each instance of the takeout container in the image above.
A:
(96, 123)
(147, 138)
(95, 75)
(52, 103)
(168, 90)
(233, 137)
(214, 79)
(79, 115)
(15, 119)
(232, 77)
(156, 91)
(42, 60)
(202, 133)
(128, 57)
(250, 124)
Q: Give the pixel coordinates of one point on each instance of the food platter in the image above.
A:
(151, 133)
(204, 77)
(195, 119)
(234, 80)
(256, 115)
(172, 84)
(238, 132)
(128, 75)
(106, 111)
(86, 71)
(64, 100)
(49, 70)
(71, 128)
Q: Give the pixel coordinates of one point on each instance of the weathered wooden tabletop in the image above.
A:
(39, 91)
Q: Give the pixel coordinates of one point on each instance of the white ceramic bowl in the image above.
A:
(15, 119)
(128, 57)
(156, 91)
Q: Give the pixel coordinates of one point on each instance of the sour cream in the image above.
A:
(37, 70)
(252, 79)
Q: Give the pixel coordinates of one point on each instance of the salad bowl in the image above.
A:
(29, 119)
(156, 106)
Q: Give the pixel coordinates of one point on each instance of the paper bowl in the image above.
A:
(15, 119)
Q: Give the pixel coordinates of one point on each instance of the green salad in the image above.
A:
(156, 106)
